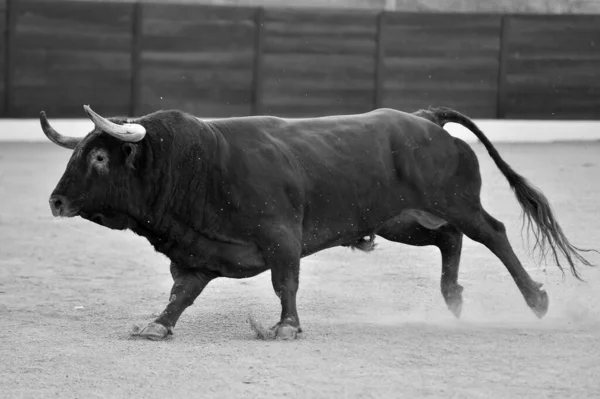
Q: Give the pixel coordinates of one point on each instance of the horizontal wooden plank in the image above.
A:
(552, 67)
(289, 84)
(67, 100)
(306, 96)
(224, 78)
(561, 104)
(177, 12)
(189, 28)
(318, 45)
(72, 41)
(50, 61)
(72, 24)
(100, 16)
(318, 63)
(441, 59)
(309, 100)
(42, 68)
(318, 66)
(198, 59)
(331, 17)
(432, 73)
(448, 36)
(176, 28)
(319, 32)
(538, 74)
(223, 103)
(554, 37)
(231, 41)
(219, 95)
(73, 78)
(474, 103)
(70, 53)
(313, 110)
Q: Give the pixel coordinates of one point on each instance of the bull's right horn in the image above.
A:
(56, 137)
(129, 132)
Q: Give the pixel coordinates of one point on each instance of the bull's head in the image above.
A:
(99, 182)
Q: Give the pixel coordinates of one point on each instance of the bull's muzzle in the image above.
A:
(59, 205)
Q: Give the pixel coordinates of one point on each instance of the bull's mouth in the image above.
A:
(95, 217)
(66, 212)
(107, 219)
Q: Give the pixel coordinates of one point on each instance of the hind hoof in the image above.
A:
(540, 307)
(455, 308)
(453, 297)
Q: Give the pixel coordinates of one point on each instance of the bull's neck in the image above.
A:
(179, 216)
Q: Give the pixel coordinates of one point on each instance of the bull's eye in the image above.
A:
(99, 160)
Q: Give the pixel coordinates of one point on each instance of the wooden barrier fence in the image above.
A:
(134, 58)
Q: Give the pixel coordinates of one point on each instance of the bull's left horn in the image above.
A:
(56, 137)
(130, 132)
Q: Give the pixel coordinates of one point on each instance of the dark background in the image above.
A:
(134, 58)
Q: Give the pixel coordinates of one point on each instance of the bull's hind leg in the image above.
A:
(448, 239)
(478, 225)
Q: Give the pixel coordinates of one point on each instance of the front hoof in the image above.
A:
(286, 332)
(155, 331)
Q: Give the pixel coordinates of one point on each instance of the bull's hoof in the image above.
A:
(453, 297)
(285, 331)
(540, 303)
(456, 308)
(155, 331)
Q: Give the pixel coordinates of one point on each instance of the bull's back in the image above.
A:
(352, 172)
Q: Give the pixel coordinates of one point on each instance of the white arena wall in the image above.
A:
(512, 131)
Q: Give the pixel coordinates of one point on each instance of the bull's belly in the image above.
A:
(345, 232)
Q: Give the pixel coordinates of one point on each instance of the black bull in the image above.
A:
(236, 197)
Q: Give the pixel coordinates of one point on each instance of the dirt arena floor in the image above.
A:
(375, 324)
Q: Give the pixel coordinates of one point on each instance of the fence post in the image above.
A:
(379, 61)
(136, 34)
(502, 59)
(259, 19)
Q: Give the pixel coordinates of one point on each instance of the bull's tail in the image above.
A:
(537, 213)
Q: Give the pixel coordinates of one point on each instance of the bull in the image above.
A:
(239, 196)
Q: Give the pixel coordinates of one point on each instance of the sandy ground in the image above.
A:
(375, 324)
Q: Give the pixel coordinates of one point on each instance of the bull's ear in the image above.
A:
(130, 151)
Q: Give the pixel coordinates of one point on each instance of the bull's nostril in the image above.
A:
(57, 204)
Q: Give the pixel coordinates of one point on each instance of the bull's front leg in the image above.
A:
(187, 285)
(285, 283)
(283, 256)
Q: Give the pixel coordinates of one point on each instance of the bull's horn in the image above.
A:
(130, 132)
(56, 137)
